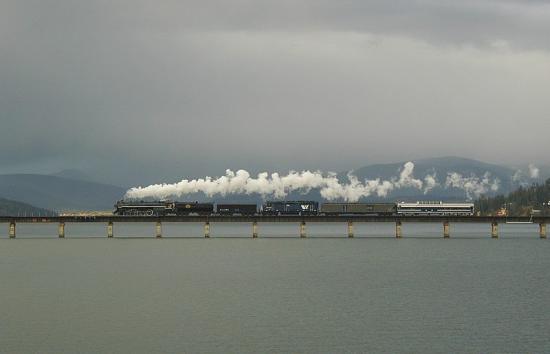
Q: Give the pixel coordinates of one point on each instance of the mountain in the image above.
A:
(72, 173)
(72, 190)
(439, 165)
(471, 178)
(13, 208)
(59, 193)
(441, 168)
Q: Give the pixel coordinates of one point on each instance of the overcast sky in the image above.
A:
(144, 90)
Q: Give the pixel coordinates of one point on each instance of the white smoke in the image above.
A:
(241, 182)
(329, 186)
(430, 182)
(474, 186)
(517, 176)
(523, 178)
(533, 171)
(406, 178)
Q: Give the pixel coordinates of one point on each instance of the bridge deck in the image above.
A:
(270, 218)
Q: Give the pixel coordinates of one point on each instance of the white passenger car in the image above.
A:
(435, 208)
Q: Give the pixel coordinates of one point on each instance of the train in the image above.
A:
(292, 207)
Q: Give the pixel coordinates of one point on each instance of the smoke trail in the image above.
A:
(517, 177)
(533, 171)
(473, 186)
(278, 186)
(406, 178)
(524, 178)
(329, 186)
(430, 182)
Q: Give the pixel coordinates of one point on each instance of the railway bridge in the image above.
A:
(301, 221)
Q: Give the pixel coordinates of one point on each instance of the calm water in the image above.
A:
(324, 294)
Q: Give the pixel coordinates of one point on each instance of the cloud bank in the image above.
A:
(93, 83)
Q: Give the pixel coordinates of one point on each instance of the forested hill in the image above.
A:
(519, 202)
(59, 193)
(13, 208)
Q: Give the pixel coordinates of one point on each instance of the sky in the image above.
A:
(141, 91)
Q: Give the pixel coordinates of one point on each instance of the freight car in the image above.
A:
(290, 207)
(358, 208)
(187, 208)
(237, 209)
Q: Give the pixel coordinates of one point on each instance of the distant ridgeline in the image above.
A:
(13, 208)
(522, 201)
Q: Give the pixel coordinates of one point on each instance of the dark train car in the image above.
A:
(290, 207)
(237, 209)
(358, 208)
(144, 208)
(186, 208)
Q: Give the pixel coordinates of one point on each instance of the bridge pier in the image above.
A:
(494, 229)
(542, 230)
(350, 229)
(446, 230)
(61, 229)
(207, 229)
(254, 229)
(12, 229)
(398, 229)
(158, 230)
(303, 229)
(110, 233)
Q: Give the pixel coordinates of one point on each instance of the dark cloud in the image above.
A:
(148, 89)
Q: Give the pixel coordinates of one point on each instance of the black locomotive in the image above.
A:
(162, 208)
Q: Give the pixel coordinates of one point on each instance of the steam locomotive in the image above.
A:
(161, 208)
(289, 207)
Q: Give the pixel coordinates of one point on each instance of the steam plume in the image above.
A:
(430, 182)
(264, 184)
(523, 179)
(473, 186)
(533, 171)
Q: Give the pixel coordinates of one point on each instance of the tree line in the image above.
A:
(526, 200)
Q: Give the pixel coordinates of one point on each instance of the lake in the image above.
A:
(274, 294)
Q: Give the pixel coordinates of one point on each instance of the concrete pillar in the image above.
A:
(494, 229)
(303, 229)
(254, 229)
(61, 230)
(542, 230)
(350, 229)
(110, 232)
(398, 230)
(158, 230)
(446, 230)
(12, 229)
(207, 229)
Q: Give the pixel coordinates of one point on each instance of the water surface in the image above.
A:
(324, 294)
